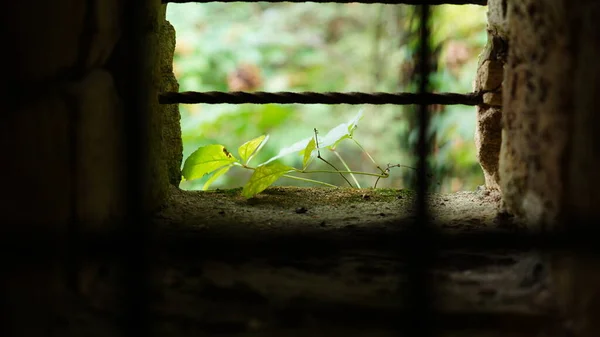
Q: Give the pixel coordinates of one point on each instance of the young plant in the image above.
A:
(216, 160)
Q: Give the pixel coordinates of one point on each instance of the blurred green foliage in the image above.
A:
(329, 47)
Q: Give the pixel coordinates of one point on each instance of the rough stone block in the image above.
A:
(172, 142)
(104, 31)
(99, 152)
(537, 110)
(35, 143)
(42, 39)
(163, 129)
(576, 283)
(583, 191)
(493, 98)
(497, 17)
(490, 75)
(488, 138)
(167, 47)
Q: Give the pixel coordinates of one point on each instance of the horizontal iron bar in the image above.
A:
(261, 97)
(392, 2)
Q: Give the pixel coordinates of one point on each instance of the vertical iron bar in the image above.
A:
(422, 145)
(420, 259)
(133, 234)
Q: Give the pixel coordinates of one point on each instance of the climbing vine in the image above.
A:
(215, 160)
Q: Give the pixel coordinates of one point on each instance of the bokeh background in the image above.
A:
(329, 47)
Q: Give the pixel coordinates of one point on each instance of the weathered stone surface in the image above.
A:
(497, 12)
(34, 141)
(583, 189)
(238, 277)
(490, 76)
(580, 293)
(162, 122)
(488, 141)
(536, 110)
(104, 31)
(41, 40)
(493, 98)
(172, 142)
(164, 129)
(61, 141)
(99, 152)
(549, 159)
(576, 282)
(36, 205)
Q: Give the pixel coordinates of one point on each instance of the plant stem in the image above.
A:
(350, 172)
(365, 151)
(347, 168)
(323, 159)
(309, 180)
(368, 155)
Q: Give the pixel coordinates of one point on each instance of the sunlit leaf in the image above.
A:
(353, 123)
(294, 148)
(258, 149)
(251, 148)
(340, 132)
(334, 136)
(309, 153)
(263, 177)
(216, 175)
(205, 160)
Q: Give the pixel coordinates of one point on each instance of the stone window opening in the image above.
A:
(483, 95)
(486, 213)
(188, 263)
(200, 103)
(290, 219)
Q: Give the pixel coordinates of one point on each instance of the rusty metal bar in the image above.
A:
(261, 97)
(391, 2)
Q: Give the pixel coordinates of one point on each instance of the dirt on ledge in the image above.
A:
(298, 209)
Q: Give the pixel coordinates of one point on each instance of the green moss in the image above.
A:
(291, 196)
(405, 193)
(229, 191)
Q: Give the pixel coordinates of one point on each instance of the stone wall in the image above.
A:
(537, 111)
(550, 151)
(490, 74)
(63, 108)
(63, 139)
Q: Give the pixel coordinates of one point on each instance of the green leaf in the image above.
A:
(205, 160)
(340, 132)
(353, 123)
(250, 148)
(294, 148)
(263, 177)
(309, 153)
(216, 175)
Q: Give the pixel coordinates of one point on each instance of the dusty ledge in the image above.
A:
(296, 258)
(320, 217)
(314, 262)
(297, 210)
